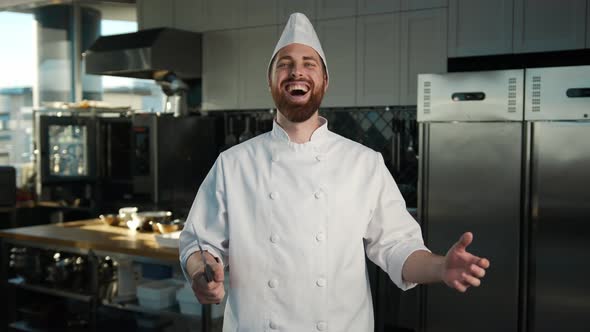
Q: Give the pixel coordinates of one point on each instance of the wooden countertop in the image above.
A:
(96, 235)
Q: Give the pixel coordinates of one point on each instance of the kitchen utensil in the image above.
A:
(247, 134)
(230, 138)
(208, 269)
(109, 219)
(126, 214)
(144, 221)
(165, 227)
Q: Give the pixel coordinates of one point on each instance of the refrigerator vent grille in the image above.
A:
(426, 100)
(536, 102)
(512, 95)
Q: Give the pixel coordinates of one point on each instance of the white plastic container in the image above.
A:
(157, 294)
(189, 305)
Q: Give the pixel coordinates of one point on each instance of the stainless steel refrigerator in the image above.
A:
(557, 111)
(470, 179)
(506, 155)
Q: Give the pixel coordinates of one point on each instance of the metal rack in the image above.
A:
(10, 286)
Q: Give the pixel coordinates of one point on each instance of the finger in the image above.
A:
(477, 271)
(471, 280)
(219, 275)
(215, 297)
(465, 240)
(484, 263)
(460, 286)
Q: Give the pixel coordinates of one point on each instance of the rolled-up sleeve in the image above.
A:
(207, 219)
(392, 233)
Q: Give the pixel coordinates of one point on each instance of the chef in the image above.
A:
(293, 212)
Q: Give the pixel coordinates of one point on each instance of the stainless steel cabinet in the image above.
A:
(480, 27)
(470, 176)
(559, 294)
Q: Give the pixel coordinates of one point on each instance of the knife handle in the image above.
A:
(209, 274)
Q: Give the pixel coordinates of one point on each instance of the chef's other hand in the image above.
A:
(212, 292)
(462, 269)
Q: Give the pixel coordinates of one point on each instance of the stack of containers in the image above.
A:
(158, 294)
(189, 305)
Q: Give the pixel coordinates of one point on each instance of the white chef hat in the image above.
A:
(299, 30)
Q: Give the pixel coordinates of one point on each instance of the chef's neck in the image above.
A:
(299, 132)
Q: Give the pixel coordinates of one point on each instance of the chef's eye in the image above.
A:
(310, 65)
(282, 65)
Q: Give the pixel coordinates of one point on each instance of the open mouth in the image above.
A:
(297, 89)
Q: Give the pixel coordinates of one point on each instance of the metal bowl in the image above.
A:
(109, 219)
(168, 227)
(144, 221)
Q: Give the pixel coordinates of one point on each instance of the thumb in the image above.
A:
(464, 241)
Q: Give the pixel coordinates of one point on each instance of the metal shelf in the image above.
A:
(172, 312)
(19, 282)
(22, 325)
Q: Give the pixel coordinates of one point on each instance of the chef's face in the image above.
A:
(297, 82)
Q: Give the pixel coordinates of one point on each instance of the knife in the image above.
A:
(208, 269)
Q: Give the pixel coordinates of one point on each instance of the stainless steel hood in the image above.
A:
(147, 54)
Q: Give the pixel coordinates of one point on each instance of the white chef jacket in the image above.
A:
(293, 222)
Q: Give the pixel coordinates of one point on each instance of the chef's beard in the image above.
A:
(298, 112)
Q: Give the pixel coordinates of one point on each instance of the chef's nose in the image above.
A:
(296, 71)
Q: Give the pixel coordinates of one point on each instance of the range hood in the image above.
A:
(147, 54)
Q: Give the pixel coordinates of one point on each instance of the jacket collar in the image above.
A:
(317, 136)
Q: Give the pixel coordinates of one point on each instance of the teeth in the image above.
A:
(301, 87)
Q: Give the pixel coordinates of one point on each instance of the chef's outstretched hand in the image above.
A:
(461, 269)
(208, 292)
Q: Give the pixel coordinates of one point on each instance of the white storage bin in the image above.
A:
(158, 294)
(189, 305)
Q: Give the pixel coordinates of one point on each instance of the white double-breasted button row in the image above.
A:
(320, 237)
(318, 194)
(321, 282)
(274, 238)
(273, 283)
(321, 326)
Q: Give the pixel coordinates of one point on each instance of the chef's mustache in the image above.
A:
(293, 80)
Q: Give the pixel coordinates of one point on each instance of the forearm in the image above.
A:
(423, 267)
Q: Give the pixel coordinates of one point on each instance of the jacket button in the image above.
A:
(321, 282)
(320, 237)
(321, 326)
(318, 194)
(273, 283)
(274, 195)
(273, 325)
(275, 158)
(274, 238)
(320, 157)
